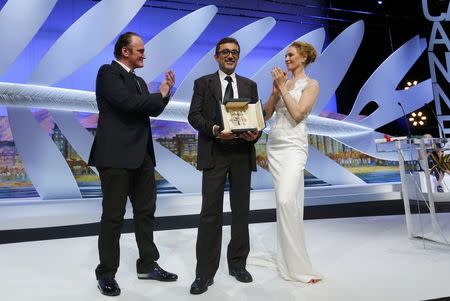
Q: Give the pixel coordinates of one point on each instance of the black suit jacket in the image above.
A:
(123, 131)
(203, 112)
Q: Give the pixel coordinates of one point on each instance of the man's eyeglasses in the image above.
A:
(227, 52)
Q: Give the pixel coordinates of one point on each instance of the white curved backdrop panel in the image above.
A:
(44, 163)
(331, 66)
(181, 174)
(171, 43)
(25, 22)
(328, 170)
(86, 37)
(381, 87)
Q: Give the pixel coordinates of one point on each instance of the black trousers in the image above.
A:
(118, 184)
(232, 161)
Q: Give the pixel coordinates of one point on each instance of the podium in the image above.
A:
(417, 182)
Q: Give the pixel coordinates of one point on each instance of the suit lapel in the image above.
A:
(130, 80)
(242, 87)
(216, 87)
(120, 68)
(138, 83)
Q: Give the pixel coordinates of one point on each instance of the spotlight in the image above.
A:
(417, 118)
(409, 84)
(380, 2)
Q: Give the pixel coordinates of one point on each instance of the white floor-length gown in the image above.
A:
(287, 150)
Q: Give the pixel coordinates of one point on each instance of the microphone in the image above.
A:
(406, 121)
(444, 139)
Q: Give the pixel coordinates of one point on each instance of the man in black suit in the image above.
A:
(222, 155)
(123, 154)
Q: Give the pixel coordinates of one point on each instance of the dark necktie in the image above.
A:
(229, 89)
(136, 80)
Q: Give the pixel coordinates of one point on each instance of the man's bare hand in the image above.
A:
(249, 135)
(167, 84)
(226, 135)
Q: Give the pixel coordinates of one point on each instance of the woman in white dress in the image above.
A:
(287, 148)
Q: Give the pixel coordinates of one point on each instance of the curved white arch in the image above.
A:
(381, 87)
(328, 170)
(44, 163)
(178, 172)
(18, 26)
(331, 66)
(86, 37)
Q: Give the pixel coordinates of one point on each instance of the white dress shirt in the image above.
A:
(224, 83)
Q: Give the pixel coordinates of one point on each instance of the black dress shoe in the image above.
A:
(158, 274)
(242, 275)
(200, 285)
(108, 287)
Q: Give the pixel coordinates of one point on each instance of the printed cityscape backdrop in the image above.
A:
(181, 139)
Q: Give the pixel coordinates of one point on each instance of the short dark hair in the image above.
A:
(124, 40)
(227, 40)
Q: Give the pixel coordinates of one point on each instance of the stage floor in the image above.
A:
(35, 213)
(364, 258)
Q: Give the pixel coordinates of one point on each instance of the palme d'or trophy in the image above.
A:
(241, 115)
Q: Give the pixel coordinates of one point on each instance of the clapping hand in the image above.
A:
(275, 90)
(279, 79)
(167, 84)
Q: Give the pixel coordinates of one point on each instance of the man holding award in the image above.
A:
(223, 153)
